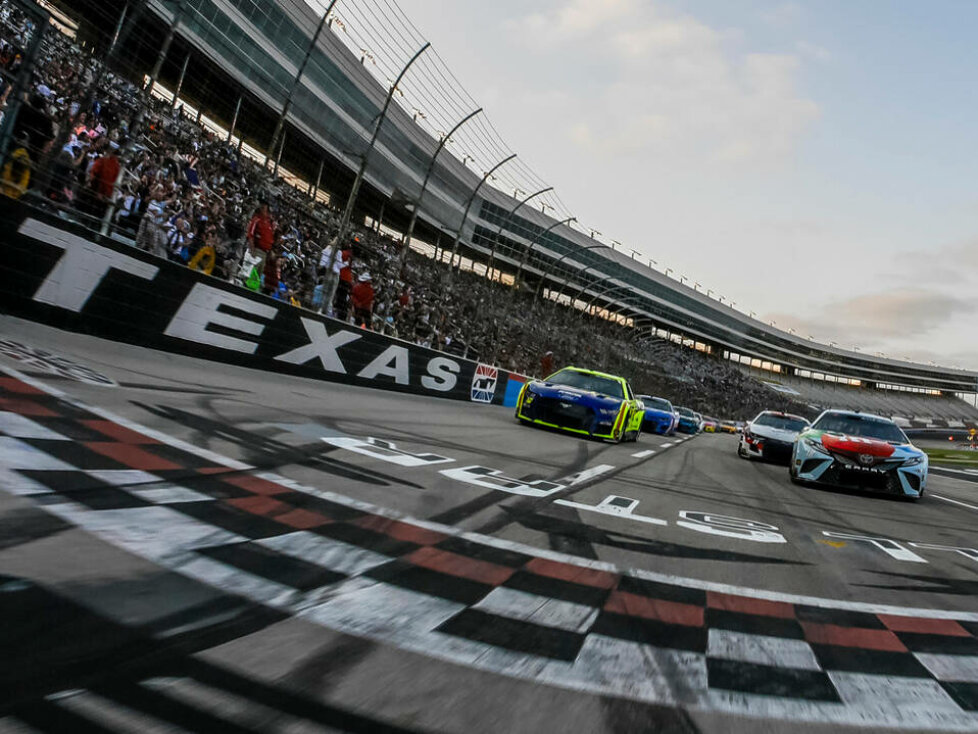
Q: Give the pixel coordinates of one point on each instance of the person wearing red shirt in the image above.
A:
(101, 180)
(362, 297)
(261, 232)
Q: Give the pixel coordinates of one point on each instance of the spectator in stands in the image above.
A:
(16, 173)
(102, 178)
(547, 364)
(261, 231)
(272, 273)
(362, 297)
(341, 307)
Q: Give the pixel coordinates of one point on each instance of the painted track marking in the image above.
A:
(956, 502)
(643, 454)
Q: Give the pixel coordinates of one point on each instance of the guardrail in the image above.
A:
(63, 275)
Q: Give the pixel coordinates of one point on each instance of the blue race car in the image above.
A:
(660, 416)
(583, 401)
(689, 422)
(859, 451)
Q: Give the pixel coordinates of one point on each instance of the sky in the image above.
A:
(813, 162)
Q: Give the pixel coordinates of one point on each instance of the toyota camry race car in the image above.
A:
(771, 436)
(859, 451)
(660, 416)
(583, 401)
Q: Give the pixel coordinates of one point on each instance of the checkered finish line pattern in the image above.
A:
(480, 601)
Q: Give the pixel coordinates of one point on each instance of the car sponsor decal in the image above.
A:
(858, 446)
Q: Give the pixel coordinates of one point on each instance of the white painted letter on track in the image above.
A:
(385, 451)
(890, 547)
(971, 553)
(482, 476)
(730, 527)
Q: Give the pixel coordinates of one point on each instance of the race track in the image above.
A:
(197, 546)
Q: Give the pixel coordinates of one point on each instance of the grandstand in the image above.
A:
(240, 63)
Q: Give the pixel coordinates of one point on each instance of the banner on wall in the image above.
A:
(65, 276)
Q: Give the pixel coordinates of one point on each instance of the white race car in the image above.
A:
(771, 436)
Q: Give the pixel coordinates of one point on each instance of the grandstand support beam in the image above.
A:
(417, 204)
(580, 293)
(234, 119)
(557, 262)
(533, 243)
(358, 181)
(579, 272)
(468, 208)
(505, 223)
(604, 293)
(179, 87)
(278, 158)
(165, 48)
(319, 178)
(280, 124)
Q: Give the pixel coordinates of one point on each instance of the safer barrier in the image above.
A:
(66, 276)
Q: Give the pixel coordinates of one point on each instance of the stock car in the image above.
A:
(859, 451)
(771, 436)
(582, 401)
(660, 416)
(689, 422)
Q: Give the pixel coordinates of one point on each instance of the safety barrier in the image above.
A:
(61, 274)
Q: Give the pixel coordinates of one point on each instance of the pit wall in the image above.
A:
(63, 275)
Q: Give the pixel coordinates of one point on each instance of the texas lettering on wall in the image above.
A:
(60, 276)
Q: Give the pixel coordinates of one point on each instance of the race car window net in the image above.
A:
(855, 425)
(782, 422)
(591, 383)
(658, 404)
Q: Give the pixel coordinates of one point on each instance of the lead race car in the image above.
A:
(583, 401)
(859, 451)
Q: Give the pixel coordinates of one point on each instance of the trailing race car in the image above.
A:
(771, 436)
(583, 401)
(710, 425)
(660, 416)
(689, 422)
(859, 451)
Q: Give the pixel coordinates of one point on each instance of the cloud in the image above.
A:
(783, 15)
(652, 80)
(871, 320)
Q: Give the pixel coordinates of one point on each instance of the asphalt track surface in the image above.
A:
(199, 548)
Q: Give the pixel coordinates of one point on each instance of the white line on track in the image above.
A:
(643, 454)
(956, 502)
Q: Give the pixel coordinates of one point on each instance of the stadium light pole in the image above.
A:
(534, 241)
(358, 181)
(417, 204)
(505, 223)
(468, 207)
(557, 262)
(179, 88)
(280, 124)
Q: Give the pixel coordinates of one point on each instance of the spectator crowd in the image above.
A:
(100, 149)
